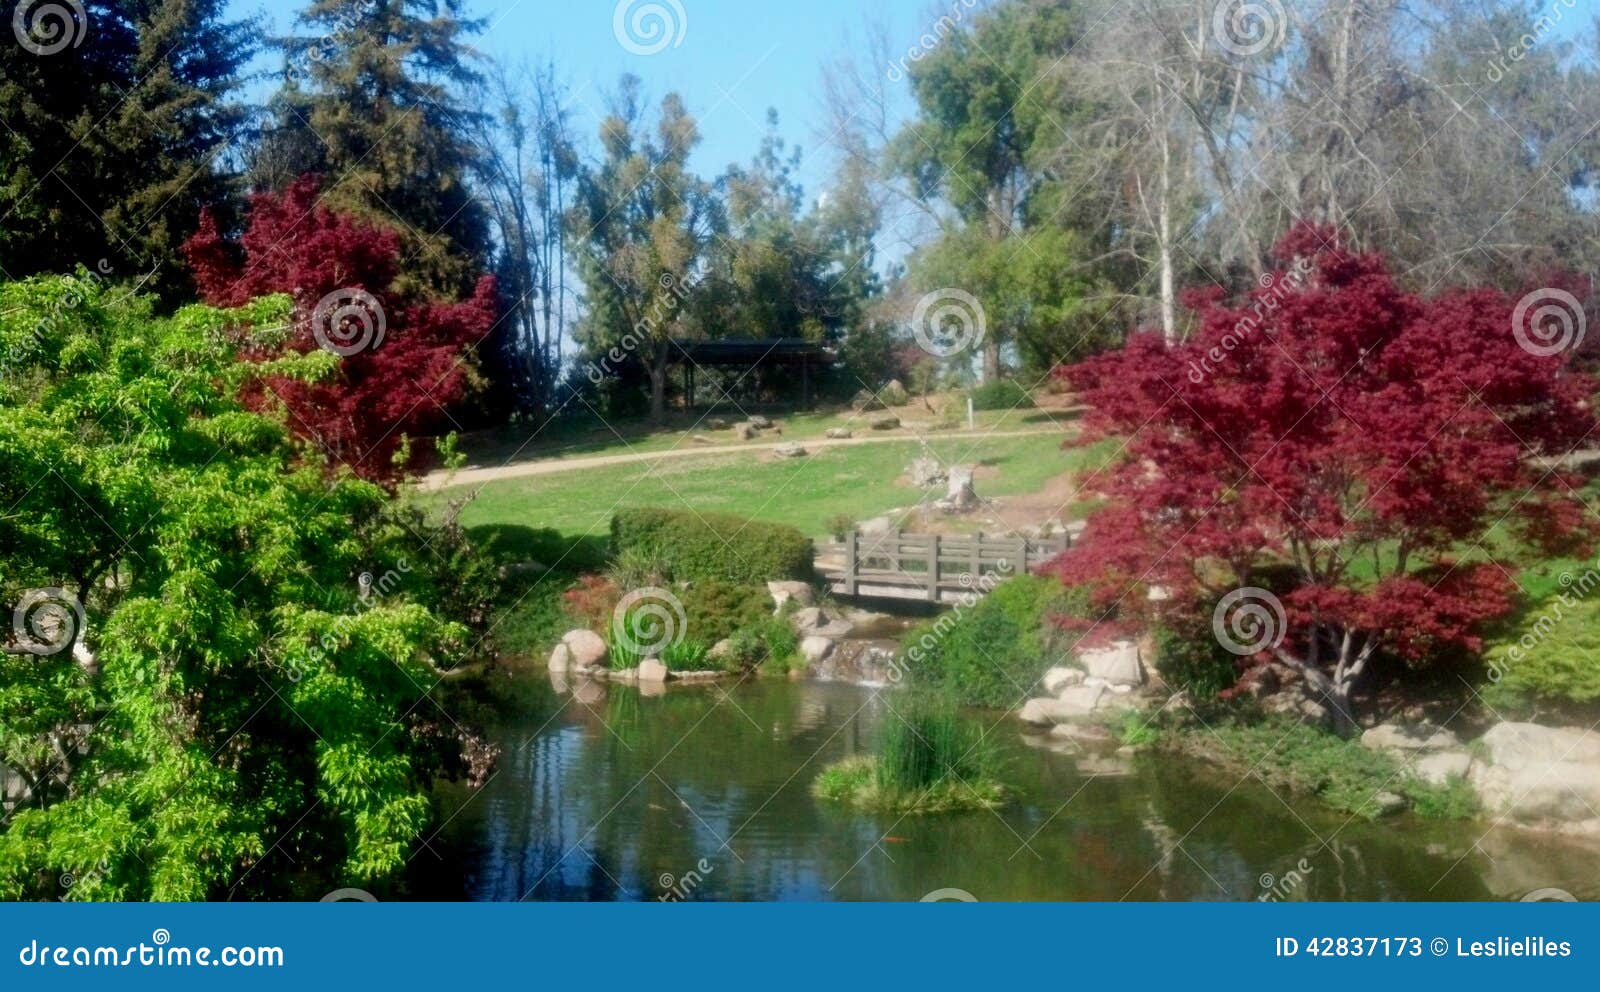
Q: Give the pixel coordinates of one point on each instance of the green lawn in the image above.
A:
(860, 480)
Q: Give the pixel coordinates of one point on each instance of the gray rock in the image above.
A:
(894, 394)
(799, 593)
(1061, 677)
(1438, 767)
(838, 433)
(813, 621)
(744, 432)
(1388, 803)
(1541, 776)
(926, 472)
(759, 422)
(560, 659)
(1118, 664)
(1048, 712)
(876, 525)
(652, 670)
(720, 650)
(716, 424)
(587, 648)
(1527, 745)
(703, 439)
(865, 400)
(1081, 700)
(1409, 737)
(816, 649)
(885, 423)
(790, 450)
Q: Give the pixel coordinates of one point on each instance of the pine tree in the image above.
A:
(371, 101)
(110, 145)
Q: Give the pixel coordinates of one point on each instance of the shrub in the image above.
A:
(685, 656)
(717, 610)
(591, 602)
(927, 760)
(992, 653)
(1137, 729)
(1453, 800)
(1002, 394)
(697, 547)
(768, 642)
(840, 525)
(1548, 655)
(1191, 658)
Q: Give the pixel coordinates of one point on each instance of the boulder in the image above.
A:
(759, 422)
(744, 432)
(1298, 705)
(721, 650)
(1544, 776)
(652, 670)
(925, 472)
(1047, 712)
(790, 450)
(816, 649)
(800, 593)
(865, 400)
(1409, 737)
(812, 621)
(627, 676)
(587, 648)
(716, 424)
(1060, 678)
(876, 525)
(894, 394)
(1389, 802)
(838, 433)
(885, 423)
(560, 659)
(1081, 700)
(1118, 664)
(1438, 767)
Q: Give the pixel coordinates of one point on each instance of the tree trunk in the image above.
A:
(1169, 292)
(991, 359)
(658, 385)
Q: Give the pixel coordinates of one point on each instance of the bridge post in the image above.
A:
(933, 568)
(850, 562)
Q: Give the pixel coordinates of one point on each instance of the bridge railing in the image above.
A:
(934, 567)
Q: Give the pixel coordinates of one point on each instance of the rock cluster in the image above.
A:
(1104, 681)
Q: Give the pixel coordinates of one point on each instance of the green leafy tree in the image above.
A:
(217, 686)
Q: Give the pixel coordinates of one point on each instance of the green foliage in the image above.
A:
(1002, 394)
(701, 546)
(1455, 799)
(685, 656)
(244, 688)
(1549, 655)
(769, 643)
(1136, 729)
(992, 652)
(928, 759)
(839, 525)
(1191, 658)
(715, 610)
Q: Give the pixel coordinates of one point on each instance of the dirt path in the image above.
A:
(551, 466)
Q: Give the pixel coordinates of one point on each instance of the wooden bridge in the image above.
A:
(934, 568)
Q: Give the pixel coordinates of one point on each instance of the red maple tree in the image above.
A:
(1344, 443)
(404, 360)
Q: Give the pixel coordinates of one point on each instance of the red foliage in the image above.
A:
(404, 360)
(592, 601)
(1332, 423)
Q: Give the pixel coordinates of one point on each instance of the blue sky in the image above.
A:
(736, 58)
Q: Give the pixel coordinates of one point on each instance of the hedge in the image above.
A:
(699, 547)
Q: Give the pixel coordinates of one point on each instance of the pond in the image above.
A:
(703, 794)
